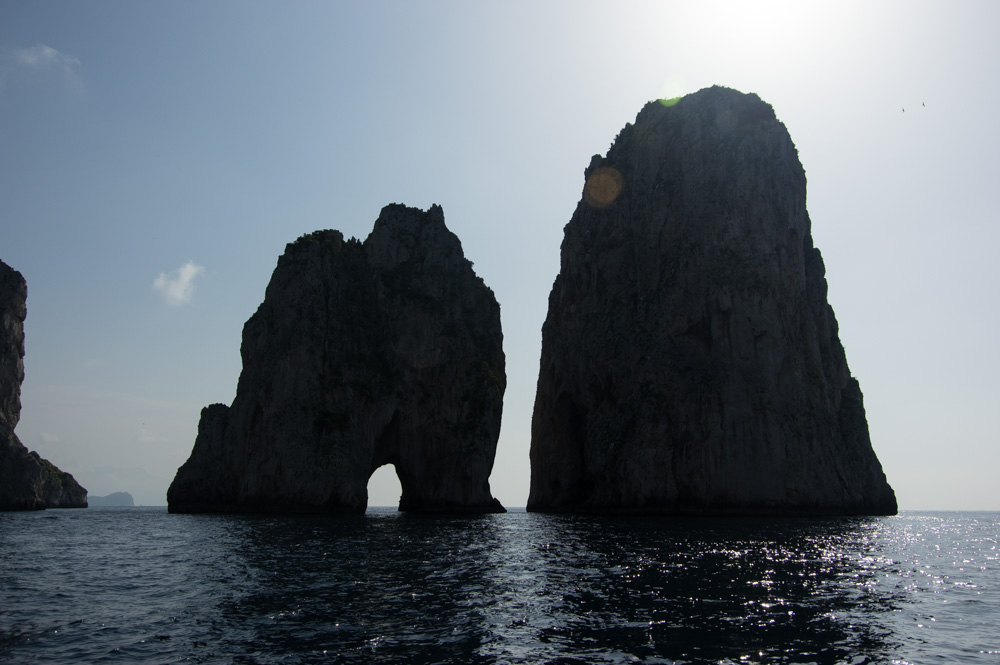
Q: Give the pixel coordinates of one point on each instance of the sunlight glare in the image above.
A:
(752, 40)
(673, 88)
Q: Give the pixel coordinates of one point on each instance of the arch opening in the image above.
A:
(384, 488)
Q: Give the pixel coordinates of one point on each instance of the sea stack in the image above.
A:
(27, 481)
(690, 361)
(362, 354)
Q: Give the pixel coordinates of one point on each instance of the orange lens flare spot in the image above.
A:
(603, 186)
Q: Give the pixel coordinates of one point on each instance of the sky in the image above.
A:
(156, 157)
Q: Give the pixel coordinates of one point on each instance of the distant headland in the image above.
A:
(119, 499)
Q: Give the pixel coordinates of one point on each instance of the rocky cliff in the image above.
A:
(362, 354)
(690, 360)
(27, 482)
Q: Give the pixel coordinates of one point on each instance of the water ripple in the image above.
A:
(143, 586)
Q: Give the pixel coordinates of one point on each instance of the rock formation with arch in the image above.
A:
(387, 351)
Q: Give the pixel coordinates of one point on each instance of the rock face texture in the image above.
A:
(27, 482)
(690, 360)
(362, 354)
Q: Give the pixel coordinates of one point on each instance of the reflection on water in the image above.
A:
(512, 588)
(710, 590)
(531, 587)
(366, 589)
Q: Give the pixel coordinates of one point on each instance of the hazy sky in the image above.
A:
(156, 157)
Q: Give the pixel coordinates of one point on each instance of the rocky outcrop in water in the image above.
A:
(690, 360)
(362, 354)
(27, 482)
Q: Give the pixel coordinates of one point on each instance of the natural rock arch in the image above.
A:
(362, 354)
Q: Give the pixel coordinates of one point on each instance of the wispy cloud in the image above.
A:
(48, 437)
(40, 56)
(33, 62)
(178, 286)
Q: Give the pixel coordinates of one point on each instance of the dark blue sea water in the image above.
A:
(136, 585)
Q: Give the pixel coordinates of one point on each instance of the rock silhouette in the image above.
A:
(27, 481)
(362, 354)
(690, 360)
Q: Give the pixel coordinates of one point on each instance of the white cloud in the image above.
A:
(48, 437)
(40, 55)
(178, 286)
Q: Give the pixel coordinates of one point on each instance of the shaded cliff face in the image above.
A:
(27, 482)
(13, 310)
(690, 361)
(362, 354)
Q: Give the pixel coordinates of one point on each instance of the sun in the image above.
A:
(749, 41)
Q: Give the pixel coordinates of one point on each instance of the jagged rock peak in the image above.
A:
(27, 482)
(690, 361)
(362, 354)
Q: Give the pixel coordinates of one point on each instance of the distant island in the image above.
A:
(115, 499)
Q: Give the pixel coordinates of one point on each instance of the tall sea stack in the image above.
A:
(690, 361)
(362, 354)
(27, 481)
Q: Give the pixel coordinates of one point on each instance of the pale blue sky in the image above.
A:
(137, 138)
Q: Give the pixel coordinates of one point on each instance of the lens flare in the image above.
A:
(603, 186)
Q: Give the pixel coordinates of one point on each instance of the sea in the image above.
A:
(140, 585)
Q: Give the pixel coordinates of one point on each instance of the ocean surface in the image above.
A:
(139, 585)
